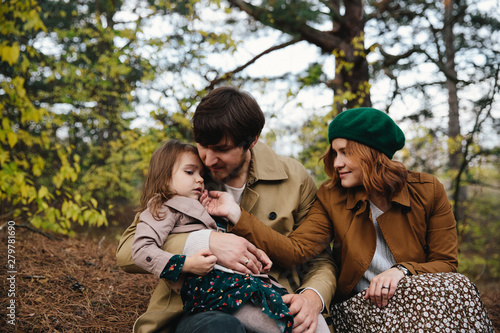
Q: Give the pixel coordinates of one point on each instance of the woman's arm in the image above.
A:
(308, 240)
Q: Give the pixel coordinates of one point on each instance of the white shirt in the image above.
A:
(382, 259)
(235, 192)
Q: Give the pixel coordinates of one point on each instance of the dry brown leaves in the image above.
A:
(491, 299)
(74, 285)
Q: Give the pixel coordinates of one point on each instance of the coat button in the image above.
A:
(272, 216)
(148, 259)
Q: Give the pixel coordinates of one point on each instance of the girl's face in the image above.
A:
(187, 179)
(350, 173)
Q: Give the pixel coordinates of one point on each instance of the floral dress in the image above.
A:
(227, 292)
(439, 302)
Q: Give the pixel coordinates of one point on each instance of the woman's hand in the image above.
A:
(265, 261)
(383, 286)
(221, 204)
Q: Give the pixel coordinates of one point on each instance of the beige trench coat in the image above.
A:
(279, 193)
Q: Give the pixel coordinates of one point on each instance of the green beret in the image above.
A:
(370, 127)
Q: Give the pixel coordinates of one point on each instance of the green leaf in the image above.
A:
(4, 157)
(9, 54)
(43, 192)
(6, 124)
(12, 139)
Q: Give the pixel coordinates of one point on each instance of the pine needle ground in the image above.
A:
(75, 285)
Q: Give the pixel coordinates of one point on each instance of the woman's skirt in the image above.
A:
(440, 302)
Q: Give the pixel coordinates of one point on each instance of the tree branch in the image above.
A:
(230, 74)
(486, 185)
(327, 41)
(477, 125)
(32, 229)
(390, 59)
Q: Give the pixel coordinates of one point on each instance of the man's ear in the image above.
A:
(254, 142)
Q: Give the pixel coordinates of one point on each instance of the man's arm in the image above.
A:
(318, 278)
(231, 250)
(321, 277)
(320, 272)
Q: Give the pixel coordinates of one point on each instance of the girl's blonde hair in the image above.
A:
(157, 188)
(381, 175)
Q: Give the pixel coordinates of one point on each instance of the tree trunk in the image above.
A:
(451, 82)
(351, 83)
(345, 41)
(454, 137)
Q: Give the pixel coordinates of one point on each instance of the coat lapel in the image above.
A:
(249, 198)
(193, 209)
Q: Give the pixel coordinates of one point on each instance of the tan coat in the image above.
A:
(420, 231)
(279, 192)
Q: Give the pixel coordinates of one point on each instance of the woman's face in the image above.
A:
(349, 172)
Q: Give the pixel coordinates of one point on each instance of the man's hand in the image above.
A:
(305, 308)
(199, 263)
(236, 253)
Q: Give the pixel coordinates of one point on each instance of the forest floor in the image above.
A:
(74, 285)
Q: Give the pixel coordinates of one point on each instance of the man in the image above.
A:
(277, 190)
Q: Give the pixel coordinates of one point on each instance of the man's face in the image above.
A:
(224, 159)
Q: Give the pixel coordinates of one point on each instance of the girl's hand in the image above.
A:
(266, 262)
(378, 292)
(221, 204)
(199, 263)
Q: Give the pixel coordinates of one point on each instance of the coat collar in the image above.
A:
(190, 207)
(265, 165)
(357, 197)
(403, 197)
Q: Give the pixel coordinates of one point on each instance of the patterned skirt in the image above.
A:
(441, 302)
(227, 292)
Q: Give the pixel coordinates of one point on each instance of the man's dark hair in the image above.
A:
(227, 112)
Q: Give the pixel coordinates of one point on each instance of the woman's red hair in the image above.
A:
(381, 175)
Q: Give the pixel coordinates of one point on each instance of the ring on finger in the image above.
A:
(246, 262)
(385, 287)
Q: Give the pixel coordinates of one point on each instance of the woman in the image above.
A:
(389, 227)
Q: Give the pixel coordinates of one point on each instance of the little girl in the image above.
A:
(169, 204)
